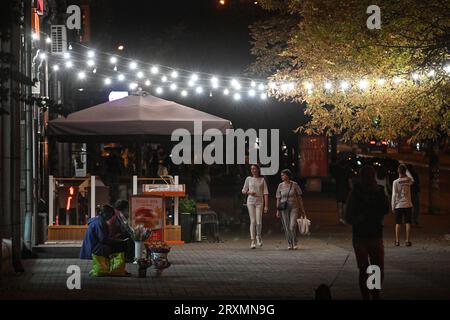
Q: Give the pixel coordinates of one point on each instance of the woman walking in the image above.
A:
(255, 188)
(289, 204)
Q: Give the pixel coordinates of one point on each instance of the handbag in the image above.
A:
(283, 204)
(304, 225)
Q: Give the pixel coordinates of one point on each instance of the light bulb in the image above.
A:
(363, 84)
(184, 93)
(133, 86)
(164, 79)
(91, 63)
(263, 96)
(55, 67)
(48, 40)
(81, 75)
(174, 74)
(66, 55)
(253, 84)
(154, 70)
(42, 56)
(345, 85)
(237, 96)
(159, 90)
(381, 81)
(328, 85)
(133, 65)
(140, 75)
(69, 64)
(121, 77)
(108, 81)
(113, 60)
(148, 83)
(251, 93)
(261, 87)
(173, 87)
(91, 54)
(226, 92)
(194, 77)
(199, 90)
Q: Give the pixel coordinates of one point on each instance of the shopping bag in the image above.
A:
(100, 266)
(112, 266)
(304, 226)
(117, 264)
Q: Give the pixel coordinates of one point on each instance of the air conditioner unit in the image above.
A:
(59, 39)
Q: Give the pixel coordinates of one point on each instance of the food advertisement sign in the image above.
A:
(148, 211)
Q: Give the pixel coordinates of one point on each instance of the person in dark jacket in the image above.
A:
(366, 207)
(97, 239)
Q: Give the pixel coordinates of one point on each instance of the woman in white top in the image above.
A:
(255, 187)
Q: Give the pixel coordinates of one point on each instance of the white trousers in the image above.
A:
(255, 212)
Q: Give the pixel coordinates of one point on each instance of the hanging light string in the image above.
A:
(161, 77)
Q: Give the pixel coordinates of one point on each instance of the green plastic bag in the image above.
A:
(114, 265)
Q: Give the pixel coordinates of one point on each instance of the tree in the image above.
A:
(397, 76)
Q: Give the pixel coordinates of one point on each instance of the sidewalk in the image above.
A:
(231, 270)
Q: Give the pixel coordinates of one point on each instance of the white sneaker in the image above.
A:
(253, 245)
(289, 248)
(295, 247)
(259, 242)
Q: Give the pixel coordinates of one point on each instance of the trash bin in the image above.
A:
(187, 226)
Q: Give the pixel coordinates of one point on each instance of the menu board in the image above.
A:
(149, 211)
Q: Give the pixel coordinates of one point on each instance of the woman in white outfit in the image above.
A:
(255, 187)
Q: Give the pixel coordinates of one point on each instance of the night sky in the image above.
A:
(199, 35)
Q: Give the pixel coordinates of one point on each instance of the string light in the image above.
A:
(184, 93)
(154, 70)
(363, 84)
(381, 81)
(447, 68)
(133, 65)
(108, 81)
(81, 75)
(159, 90)
(397, 80)
(246, 86)
(237, 96)
(148, 83)
(215, 82)
(199, 90)
(345, 85)
(133, 86)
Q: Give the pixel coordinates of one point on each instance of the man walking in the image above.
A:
(402, 203)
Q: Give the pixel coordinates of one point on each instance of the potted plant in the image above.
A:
(139, 235)
(158, 251)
